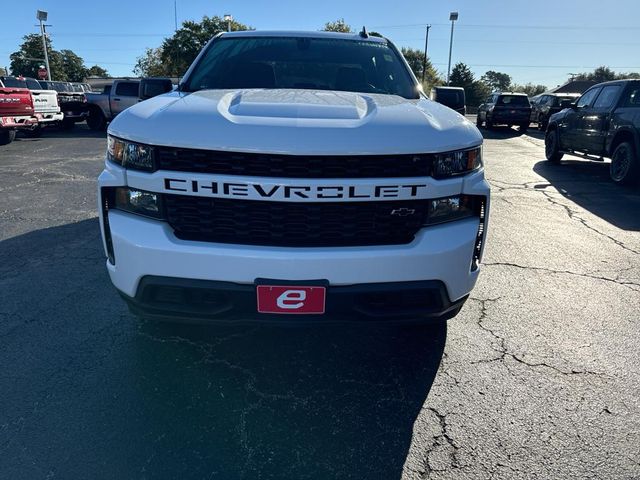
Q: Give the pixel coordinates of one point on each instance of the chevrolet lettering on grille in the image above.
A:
(295, 193)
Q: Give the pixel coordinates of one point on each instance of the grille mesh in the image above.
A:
(294, 224)
(291, 166)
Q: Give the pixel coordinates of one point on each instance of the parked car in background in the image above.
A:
(452, 97)
(16, 112)
(604, 122)
(45, 103)
(505, 108)
(547, 104)
(122, 94)
(72, 103)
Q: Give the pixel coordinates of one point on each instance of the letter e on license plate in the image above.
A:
(291, 299)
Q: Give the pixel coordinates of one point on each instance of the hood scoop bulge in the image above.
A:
(296, 106)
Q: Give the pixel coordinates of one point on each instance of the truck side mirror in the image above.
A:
(152, 87)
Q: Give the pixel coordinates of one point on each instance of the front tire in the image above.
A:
(552, 146)
(524, 127)
(478, 121)
(7, 136)
(624, 168)
(96, 120)
(488, 123)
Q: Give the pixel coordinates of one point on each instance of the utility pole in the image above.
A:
(228, 17)
(426, 45)
(42, 17)
(453, 16)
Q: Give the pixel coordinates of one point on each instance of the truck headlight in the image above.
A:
(448, 209)
(129, 154)
(138, 201)
(457, 163)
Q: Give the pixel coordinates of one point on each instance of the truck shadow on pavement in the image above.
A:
(588, 184)
(92, 389)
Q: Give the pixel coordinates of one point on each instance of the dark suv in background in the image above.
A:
(604, 122)
(549, 103)
(505, 108)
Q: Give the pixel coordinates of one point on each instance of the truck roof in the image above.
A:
(306, 34)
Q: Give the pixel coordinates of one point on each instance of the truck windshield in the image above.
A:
(302, 63)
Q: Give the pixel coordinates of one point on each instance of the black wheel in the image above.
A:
(624, 169)
(478, 121)
(542, 124)
(67, 124)
(488, 123)
(552, 146)
(7, 136)
(96, 120)
(524, 127)
(34, 132)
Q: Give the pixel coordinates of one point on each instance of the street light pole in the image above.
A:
(42, 17)
(228, 18)
(453, 16)
(426, 45)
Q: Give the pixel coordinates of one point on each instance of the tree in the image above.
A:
(338, 26)
(150, 64)
(28, 59)
(177, 52)
(65, 65)
(530, 89)
(3, 71)
(600, 74)
(475, 90)
(496, 81)
(97, 71)
(73, 66)
(375, 34)
(415, 59)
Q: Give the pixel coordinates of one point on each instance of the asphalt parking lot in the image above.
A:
(537, 378)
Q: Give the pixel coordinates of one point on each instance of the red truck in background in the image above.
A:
(16, 112)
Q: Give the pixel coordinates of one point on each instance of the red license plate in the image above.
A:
(291, 299)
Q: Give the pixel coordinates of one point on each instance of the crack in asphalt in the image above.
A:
(504, 351)
(439, 440)
(631, 285)
(573, 215)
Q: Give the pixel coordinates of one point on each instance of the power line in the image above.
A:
(539, 66)
(533, 42)
(519, 27)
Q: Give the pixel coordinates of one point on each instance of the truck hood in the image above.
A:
(303, 122)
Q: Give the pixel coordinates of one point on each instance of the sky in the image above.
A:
(537, 41)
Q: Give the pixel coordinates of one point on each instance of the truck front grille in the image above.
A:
(288, 224)
(292, 166)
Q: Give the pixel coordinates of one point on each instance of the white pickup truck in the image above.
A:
(294, 174)
(45, 103)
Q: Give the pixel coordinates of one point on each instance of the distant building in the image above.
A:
(573, 86)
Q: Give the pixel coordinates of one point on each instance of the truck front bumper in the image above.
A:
(151, 264)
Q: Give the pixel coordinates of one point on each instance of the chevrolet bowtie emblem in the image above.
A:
(402, 212)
